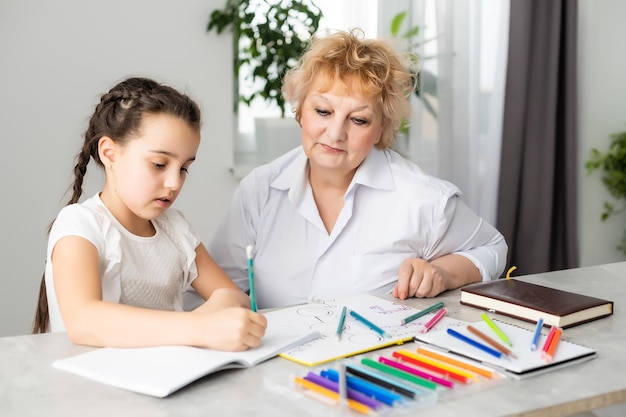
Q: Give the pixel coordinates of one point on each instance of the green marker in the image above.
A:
(421, 313)
(496, 329)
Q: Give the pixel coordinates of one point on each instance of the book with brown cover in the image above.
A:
(529, 302)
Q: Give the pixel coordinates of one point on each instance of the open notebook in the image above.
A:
(527, 363)
(159, 371)
(356, 337)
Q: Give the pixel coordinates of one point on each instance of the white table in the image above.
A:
(29, 386)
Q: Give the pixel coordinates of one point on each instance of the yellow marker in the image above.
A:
(456, 362)
(508, 273)
(447, 366)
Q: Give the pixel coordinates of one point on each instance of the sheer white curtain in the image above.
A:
(463, 46)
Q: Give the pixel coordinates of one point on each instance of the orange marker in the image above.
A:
(456, 362)
(553, 344)
(430, 366)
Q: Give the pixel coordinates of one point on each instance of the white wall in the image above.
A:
(57, 57)
(602, 111)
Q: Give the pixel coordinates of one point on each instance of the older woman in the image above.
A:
(343, 213)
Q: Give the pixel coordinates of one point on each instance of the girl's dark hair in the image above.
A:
(118, 116)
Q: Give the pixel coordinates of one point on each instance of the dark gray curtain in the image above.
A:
(537, 189)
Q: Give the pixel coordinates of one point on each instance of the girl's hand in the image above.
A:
(230, 329)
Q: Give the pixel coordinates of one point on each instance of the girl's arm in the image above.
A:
(214, 285)
(91, 321)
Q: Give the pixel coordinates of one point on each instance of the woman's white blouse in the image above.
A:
(392, 211)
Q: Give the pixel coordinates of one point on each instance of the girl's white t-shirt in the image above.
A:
(150, 272)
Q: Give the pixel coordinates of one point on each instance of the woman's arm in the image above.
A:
(467, 249)
(91, 321)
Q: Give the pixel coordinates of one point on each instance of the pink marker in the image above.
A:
(433, 321)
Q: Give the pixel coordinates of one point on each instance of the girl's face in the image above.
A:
(339, 128)
(148, 172)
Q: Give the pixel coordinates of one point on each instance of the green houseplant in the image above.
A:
(268, 39)
(612, 163)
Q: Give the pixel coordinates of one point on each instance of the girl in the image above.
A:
(117, 264)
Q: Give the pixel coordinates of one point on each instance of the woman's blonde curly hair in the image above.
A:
(372, 66)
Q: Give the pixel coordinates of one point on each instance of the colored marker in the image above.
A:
(549, 354)
(368, 388)
(368, 323)
(433, 321)
(381, 380)
(496, 329)
(249, 253)
(551, 343)
(492, 342)
(416, 372)
(342, 386)
(421, 313)
(535, 342)
(546, 344)
(336, 387)
(448, 366)
(342, 319)
(354, 405)
(474, 343)
(430, 365)
(390, 370)
(456, 362)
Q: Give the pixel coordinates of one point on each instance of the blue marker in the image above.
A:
(368, 323)
(335, 386)
(364, 387)
(533, 345)
(474, 343)
(377, 378)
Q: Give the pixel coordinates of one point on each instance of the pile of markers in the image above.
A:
(499, 351)
(399, 380)
(551, 342)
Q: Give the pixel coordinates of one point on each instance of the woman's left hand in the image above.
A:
(420, 278)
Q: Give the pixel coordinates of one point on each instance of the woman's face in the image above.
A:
(339, 128)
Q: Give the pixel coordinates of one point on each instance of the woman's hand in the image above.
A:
(420, 278)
